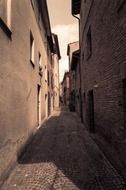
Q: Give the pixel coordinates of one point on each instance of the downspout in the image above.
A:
(81, 102)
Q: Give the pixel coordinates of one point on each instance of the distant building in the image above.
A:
(26, 49)
(66, 88)
(103, 74)
(72, 47)
(61, 94)
(75, 94)
(50, 80)
(56, 85)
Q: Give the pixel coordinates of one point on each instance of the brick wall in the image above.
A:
(104, 70)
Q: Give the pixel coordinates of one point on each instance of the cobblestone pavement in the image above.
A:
(62, 156)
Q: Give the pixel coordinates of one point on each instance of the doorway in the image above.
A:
(39, 105)
(124, 99)
(49, 104)
(91, 111)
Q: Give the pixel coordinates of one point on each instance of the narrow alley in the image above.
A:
(62, 156)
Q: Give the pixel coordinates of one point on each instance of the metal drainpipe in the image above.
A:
(81, 102)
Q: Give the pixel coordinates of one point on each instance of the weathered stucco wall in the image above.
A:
(56, 80)
(19, 82)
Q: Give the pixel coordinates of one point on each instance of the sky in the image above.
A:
(65, 26)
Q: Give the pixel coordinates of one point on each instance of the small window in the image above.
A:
(48, 79)
(40, 65)
(32, 46)
(89, 44)
(40, 60)
(52, 81)
(45, 73)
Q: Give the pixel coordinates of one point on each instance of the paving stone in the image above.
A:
(62, 156)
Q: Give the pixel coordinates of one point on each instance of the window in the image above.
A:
(45, 73)
(89, 44)
(40, 60)
(48, 79)
(51, 82)
(40, 65)
(32, 53)
(5, 16)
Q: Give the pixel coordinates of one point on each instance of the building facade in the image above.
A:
(103, 73)
(56, 85)
(26, 46)
(53, 75)
(49, 83)
(72, 47)
(66, 88)
(76, 94)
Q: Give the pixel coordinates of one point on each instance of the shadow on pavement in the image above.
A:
(72, 158)
(56, 142)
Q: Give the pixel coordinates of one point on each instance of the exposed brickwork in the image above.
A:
(105, 69)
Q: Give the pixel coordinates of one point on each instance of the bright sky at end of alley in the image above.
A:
(65, 26)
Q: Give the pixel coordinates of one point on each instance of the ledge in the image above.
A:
(5, 28)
